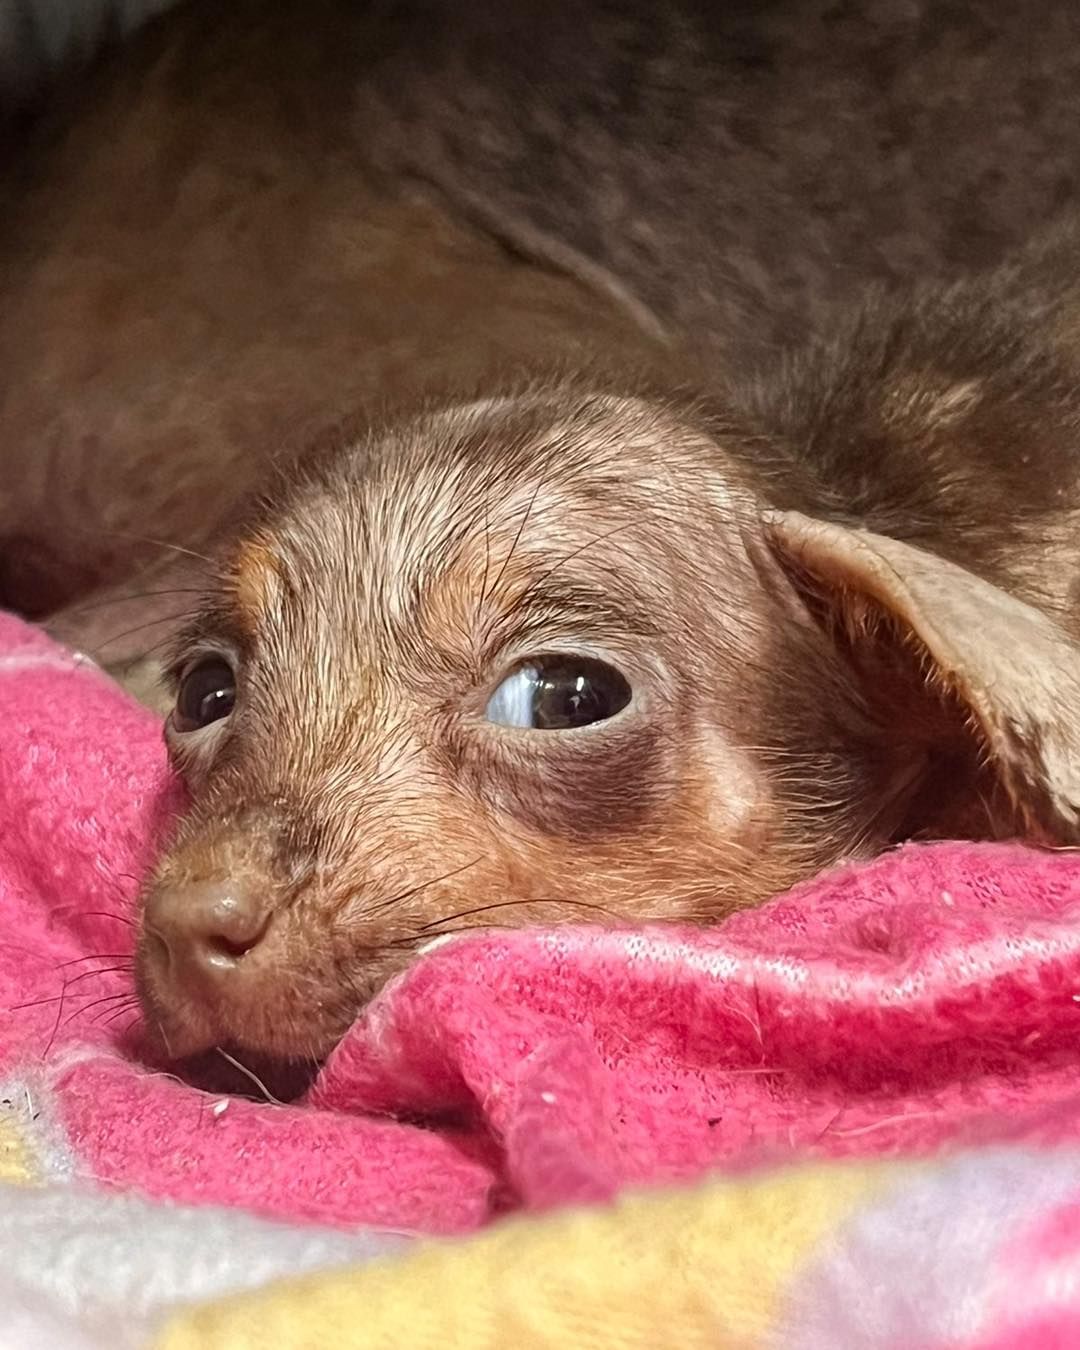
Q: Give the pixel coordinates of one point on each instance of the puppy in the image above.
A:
(589, 650)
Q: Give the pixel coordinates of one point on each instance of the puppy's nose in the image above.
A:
(207, 926)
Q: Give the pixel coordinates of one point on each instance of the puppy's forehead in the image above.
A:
(470, 497)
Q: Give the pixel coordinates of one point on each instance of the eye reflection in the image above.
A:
(558, 693)
(207, 694)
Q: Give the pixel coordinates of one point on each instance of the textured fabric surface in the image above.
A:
(915, 1020)
(977, 1251)
(930, 998)
(111, 1267)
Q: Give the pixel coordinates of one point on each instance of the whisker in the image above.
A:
(96, 956)
(53, 998)
(34, 1003)
(99, 970)
(105, 914)
(144, 539)
(417, 937)
(509, 904)
(108, 1021)
(574, 553)
(413, 891)
(130, 599)
(487, 562)
(106, 998)
(142, 627)
(164, 1037)
(56, 1025)
(517, 540)
(166, 642)
(248, 1074)
(110, 1018)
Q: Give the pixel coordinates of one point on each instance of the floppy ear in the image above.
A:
(1011, 672)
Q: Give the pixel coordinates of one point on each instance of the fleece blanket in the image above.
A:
(978, 1250)
(973, 1252)
(922, 1005)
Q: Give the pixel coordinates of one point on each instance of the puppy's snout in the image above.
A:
(207, 928)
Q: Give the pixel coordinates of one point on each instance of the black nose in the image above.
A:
(207, 927)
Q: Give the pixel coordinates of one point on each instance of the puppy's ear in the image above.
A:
(997, 671)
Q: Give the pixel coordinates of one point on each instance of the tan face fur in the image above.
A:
(359, 799)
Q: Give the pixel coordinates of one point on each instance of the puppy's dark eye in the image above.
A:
(207, 694)
(556, 693)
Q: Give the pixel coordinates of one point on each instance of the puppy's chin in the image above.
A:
(242, 1073)
(222, 1065)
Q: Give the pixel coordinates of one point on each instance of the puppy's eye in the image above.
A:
(555, 693)
(207, 694)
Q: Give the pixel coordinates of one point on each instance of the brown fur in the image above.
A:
(410, 570)
(803, 691)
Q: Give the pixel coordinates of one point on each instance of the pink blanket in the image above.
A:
(931, 998)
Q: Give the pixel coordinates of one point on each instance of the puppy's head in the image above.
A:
(529, 660)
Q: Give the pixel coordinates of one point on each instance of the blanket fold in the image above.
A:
(931, 997)
(927, 1001)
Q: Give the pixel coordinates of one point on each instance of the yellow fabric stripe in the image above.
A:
(689, 1268)
(16, 1156)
